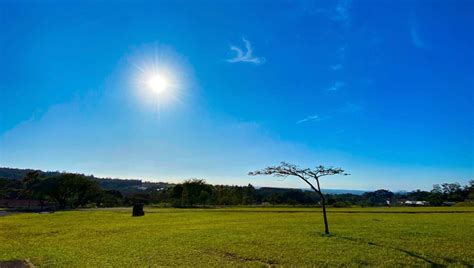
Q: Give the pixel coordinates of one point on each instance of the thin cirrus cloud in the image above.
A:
(336, 67)
(245, 56)
(347, 108)
(342, 12)
(336, 86)
(310, 118)
(350, 108)
(416, 39)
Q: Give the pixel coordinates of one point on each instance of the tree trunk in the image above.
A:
(323, 202)
(326, 228)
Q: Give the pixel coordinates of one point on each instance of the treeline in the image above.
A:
(198, 193)
(68, 190)
(65, 190)
(444, 194)
(125, 186)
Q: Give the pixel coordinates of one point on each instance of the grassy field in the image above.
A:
(241, 236)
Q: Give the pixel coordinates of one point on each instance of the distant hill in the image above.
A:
(327, 191)
(124, 185)
(132, 185)
(344, 191)
(18, 174)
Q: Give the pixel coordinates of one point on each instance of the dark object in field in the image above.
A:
(16, 264)
(138, 210)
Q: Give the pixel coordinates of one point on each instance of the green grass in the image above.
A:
(241, 236)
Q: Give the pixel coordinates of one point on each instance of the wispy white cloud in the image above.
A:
(336, 86)
(342, 51)
(309, 118)
(341, 12)
(416, 39)
(347, 108)
(336, 67)
(245, 56)
(350, 108)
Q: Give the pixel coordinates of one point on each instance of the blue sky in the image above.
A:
(383, 89)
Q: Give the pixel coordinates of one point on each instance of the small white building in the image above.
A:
(415, 203)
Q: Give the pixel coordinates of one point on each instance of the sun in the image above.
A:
(157, 83)
(159, 78)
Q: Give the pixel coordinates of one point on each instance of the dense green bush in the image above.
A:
(342, 204)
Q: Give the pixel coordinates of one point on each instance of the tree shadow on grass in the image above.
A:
(431, 263)
(453, 261)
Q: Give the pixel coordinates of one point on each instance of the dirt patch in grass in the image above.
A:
(234, 257)
(4, 213)
(16, 264)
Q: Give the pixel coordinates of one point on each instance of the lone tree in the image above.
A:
(307, 175)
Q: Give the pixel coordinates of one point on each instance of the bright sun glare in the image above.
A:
(157, 83)
(158, 78)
